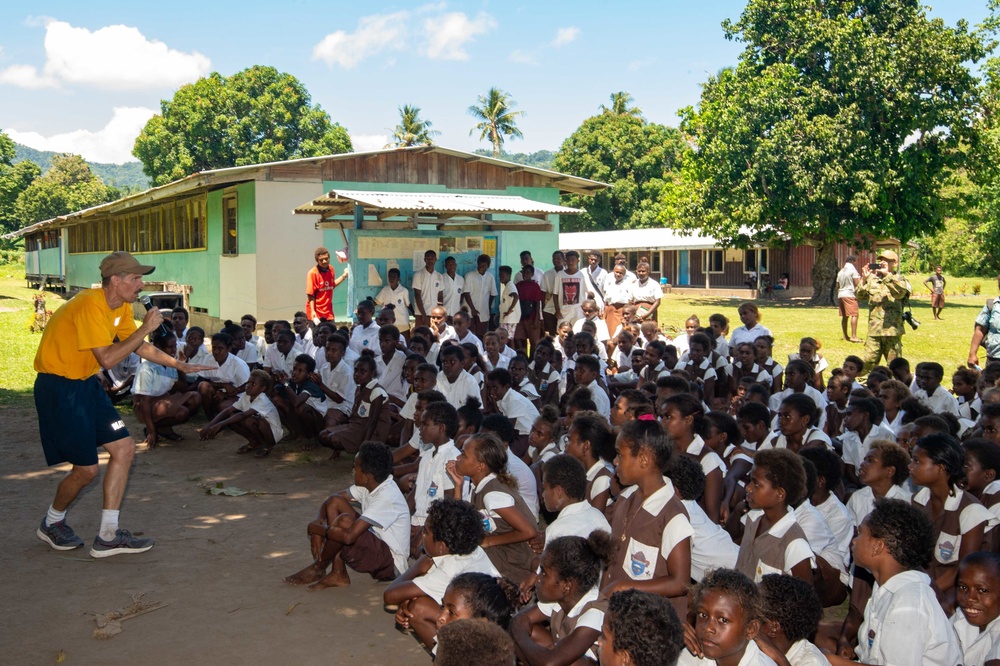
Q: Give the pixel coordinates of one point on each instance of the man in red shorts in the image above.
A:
(320, 283)
(75, 415)
(847, 302)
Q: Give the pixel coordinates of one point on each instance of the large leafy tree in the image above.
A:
(14, 179)
(840, 122)
(622, 104)
(254, 116)
(67, 186)
(632, 156)
(497, 118)
(412, 130)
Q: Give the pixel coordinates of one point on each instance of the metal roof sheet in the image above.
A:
(440, 203)
(638, 239)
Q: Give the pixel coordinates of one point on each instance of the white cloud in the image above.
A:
(439, 36)
(115, 57)
(111, 143)
(375, 33)
(565, 35)
(366, 142)
(522, 57)
(448, 34)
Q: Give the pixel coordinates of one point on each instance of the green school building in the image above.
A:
(241, 240)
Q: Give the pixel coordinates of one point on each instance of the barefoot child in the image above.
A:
(303, 405)
(568, 601)
(219, 388)
(336, 380)
(438, 427)
(253, 416)
(727, 620)
(650, 527)
(373, 538)
(451, 537)
(158, 397)
(508, 521)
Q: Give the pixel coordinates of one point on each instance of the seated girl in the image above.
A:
(452, 534)
(158, 397)
(593, 444)
(975, 618)
(253, 416)
(219, 388)
(684, 420)
(569, 601)
(797, 418)
(369, 420)
(640, 629)
(477, 595)
(509, 523)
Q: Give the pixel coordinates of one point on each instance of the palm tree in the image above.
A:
(622, 105)
(412, 131)
(497, 120)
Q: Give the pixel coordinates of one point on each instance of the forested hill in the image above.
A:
(122, 176)
(541, 159)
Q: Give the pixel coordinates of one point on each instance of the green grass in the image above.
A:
(946, 342)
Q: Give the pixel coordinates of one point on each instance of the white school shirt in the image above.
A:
(941, 402)
(577, 519)
(429, 285)
(752, 656)
(363, 338)
(617, 293)
(444, 568)
(894, 425)
(502, 362)
(399, 298)
(473, 338)
(839, 520)
(706, 365)
(600, 398)
(855, 450)
(249, 354)
(452, 287)
(601, 326)
(649, 292)
(232, 371)
(821, 538)
(390, 375)
(259, 342)
(571, 290)
(518, 409)
(153, 379)
(904, 624)
(549, 287)
(120, 372)
(600, 484)
(457, 392)
(862, 502)
(527, 485)
(386, 511)
(202, 357)
(263, 406)
(976, 645)
(761, 375)
(340, 380)
(711, 461)
(804, 653)
(277, 361)
(527, 389)
(508, 295)
(711, 546)
(744, 334)
(480, 288)
(947, 548)
(433, 481)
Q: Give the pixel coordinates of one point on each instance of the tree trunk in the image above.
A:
(824, 274)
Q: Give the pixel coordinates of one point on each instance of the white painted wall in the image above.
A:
(285, 246)
(237, 286)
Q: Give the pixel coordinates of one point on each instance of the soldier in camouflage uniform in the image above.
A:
(886, 294)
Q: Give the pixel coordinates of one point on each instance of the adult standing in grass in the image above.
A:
(847, 302)
(936, 284)
(94, 329)
(986, 332)
(886, 293)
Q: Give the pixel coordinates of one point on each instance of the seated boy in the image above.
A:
(389, 363)
(586, 373)
(930, 392)
(399, 297)
(366, 527)
(253, 416)
(301, 401)
(514, 406)
(336, 380)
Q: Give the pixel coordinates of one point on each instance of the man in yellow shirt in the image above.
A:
(75, 415)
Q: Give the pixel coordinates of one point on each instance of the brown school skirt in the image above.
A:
(848, 306)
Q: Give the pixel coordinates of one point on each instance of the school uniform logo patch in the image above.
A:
(432, 490)
(946, 550)
(639, 563)
(487, 523)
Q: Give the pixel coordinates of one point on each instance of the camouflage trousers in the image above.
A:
(878, 347)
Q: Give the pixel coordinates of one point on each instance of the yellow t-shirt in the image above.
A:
(84, 323)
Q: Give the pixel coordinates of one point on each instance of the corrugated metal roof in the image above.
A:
(638, 239)
(334, 202)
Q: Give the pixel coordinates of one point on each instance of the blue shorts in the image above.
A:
(75, 416)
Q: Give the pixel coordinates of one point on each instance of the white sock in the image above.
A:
(109, 524)
(53, 516)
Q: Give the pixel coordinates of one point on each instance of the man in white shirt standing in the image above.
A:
(596, 275)
(570, 290)
(480, 294)
(549, 321)
(452, 286)
(847, 280)
(427, 289)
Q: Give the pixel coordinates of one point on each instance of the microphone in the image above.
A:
(148, 304)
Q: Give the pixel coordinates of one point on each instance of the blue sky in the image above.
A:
(84, 77)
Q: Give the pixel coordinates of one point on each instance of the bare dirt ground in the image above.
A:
(218, 562)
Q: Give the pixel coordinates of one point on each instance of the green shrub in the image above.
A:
(976, 288)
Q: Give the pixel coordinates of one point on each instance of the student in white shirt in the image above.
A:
(453, 532)
(514, 406)
(253, 416)
(586, 372)
(646, 294)
(219, 388)
(428, 286)
(591, 314)
(374, 540)
(389, 363)
(510, 307)
(452, 287)
(711, 546)
(883, 472)
(157, 397)
(398, 296)
(364, 335)
(860, 432)
(977, 597)
(791, 615)
(527, 483)
(336, 379)
(930, 392)
(835, 514)
(463, 330)
(903, 622)
(454, 382)
(751, 328)
(480, 293)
